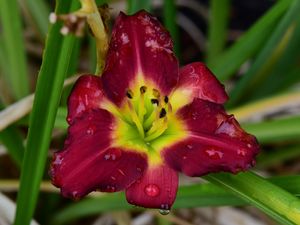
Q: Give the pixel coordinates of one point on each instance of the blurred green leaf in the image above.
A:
(135, 5)
(171, 23)
(277, 130)
(271, 199)
(55, 65)
(282, 72)
(277, 156)
(249, 43)
(38, 11)
(13, 43)
(196, 195)
(13, 141)
(268, 56)
(217, 29)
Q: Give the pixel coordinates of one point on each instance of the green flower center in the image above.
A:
(148, 112)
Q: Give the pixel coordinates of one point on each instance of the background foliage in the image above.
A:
(251, 46)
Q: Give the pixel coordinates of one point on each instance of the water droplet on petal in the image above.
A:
(214, 154)
(139, 169)
(113, 154)
(110, 188)
(113, 178)
(184, 157)
(91, 130)
(69, 120)
(75, 195)
(58, 160)
(152, 190)
(189, 146)
(164, 212)
(241, 152)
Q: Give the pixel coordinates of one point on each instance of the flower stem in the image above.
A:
(90, 11)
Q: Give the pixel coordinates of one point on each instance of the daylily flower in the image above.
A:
(144, 120)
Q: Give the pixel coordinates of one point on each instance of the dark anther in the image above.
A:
(166, 99)
(129, 94)
(156, 93)
(162, 113)
(154, 101)
(143, 89)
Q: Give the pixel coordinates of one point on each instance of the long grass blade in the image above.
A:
(249, 43)
(268, 56)
(275, 80)
(14, 48)
(271, 199)
(217, 29)
(50, 82)
(38, 11)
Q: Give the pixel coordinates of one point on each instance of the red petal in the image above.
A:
(219, 145)
(197, 81)
(139, 45)
(156, 189)
(202, 116)
(86, 94)
(87, 161)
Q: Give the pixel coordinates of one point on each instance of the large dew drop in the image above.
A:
(164, 211)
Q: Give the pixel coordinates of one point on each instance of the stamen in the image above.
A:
(135, 119)
(156, 93)
(143, 89)
(158, 127)
(162, 113)
(166, 99)
(148, 122)
(129, 94)
(154, 101)
(141, 108)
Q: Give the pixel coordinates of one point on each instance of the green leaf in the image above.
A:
(196, 195)
(39, 11)
(277, 156)
(277, 130)
(13, 141)
(249, 43)
(171, 23)
(275, 81)
(271, 199)
(217, 29)
(55, 65)
(135, 5)
(268, 56)
(14, 48)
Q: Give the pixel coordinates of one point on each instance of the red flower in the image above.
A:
(145, 120)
